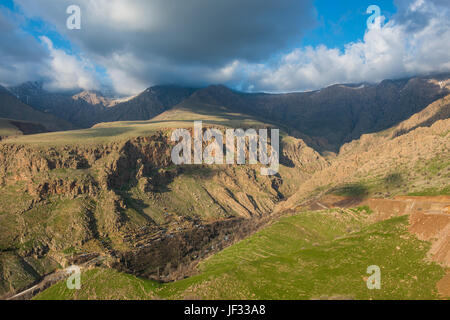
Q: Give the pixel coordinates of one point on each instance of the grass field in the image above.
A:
(311, 255)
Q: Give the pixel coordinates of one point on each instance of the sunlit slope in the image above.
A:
(315, 255)
(182, 116)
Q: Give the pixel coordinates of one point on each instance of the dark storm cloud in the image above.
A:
(202, 31)
(169, 40)
(248, 44)
(21, 54)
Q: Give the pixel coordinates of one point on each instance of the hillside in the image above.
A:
(312, 255)
(325, 119)
(13, 108)
(413, 156)
(337, 114)
(344, 218)
(112, 190)
(110, 193)
(10, 128)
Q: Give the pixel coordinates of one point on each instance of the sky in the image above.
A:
(248, 45)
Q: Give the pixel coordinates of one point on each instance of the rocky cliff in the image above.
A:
(126, 201)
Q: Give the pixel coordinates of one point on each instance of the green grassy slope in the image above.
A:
(313, 255)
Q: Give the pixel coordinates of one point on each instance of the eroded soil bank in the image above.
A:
(429, 220)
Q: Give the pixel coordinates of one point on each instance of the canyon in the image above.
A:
(112, 190)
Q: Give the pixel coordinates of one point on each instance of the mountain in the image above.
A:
(113, 191)
(13, 109)
(337, 114)
(338, 214)
(10, 128)
(410, 157)
(68, 106)
(87, 108)
(384, 197)
(146, 105)
(95, 98)
(326, 119)
(110, 196)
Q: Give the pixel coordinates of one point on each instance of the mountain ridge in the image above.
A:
(326, 118)
(13, 109)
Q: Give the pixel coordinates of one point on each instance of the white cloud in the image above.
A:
(124, 70)
(142, 43)
(22, 57)
(391, 51)
(172, 41)
(66, 71)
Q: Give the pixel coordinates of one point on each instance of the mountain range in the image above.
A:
(364, 173)
(326, 118)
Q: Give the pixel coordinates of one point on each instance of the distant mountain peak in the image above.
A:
(93, 97)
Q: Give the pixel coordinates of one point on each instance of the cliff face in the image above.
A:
(410, 157)
(117, 194)
(125, 200)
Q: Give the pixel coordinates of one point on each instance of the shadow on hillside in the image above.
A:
(101, 132)
(353, 190)
(160, 179)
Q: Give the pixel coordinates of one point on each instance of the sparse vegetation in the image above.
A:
(393, 180)
(432, 192)
(112, 188)
(312, 255)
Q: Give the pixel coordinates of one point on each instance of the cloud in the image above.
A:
(243, 44)
(25, 58)
(198, 31)
(143, 42)
(67, 72)
(21, 55)
(397, 49)
(417, 14)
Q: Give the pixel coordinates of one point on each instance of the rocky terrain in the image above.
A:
(126, 201)
(335, 115)
(410, 157)
(111, 191)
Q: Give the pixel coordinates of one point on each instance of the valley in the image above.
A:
(318, 254)
(353, 190)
